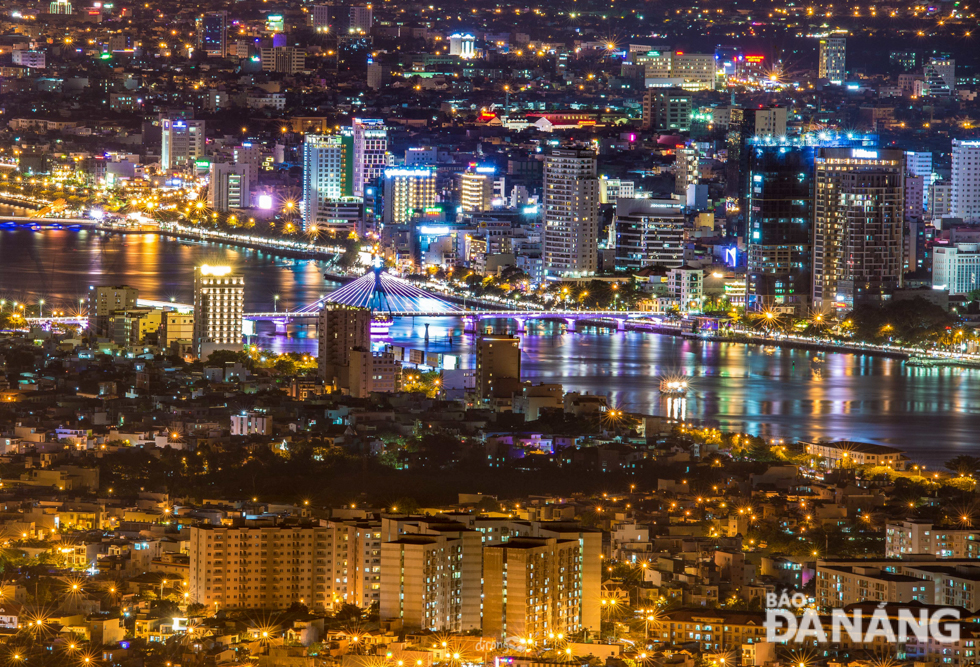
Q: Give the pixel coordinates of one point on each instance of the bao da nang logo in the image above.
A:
(895, 624)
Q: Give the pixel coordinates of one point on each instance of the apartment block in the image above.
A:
(532, 587)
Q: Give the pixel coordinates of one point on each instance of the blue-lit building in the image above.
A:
(212, 33)
(779, 227)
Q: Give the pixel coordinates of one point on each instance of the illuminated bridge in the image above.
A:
(391, 297)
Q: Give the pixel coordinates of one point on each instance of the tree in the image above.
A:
(964, 464)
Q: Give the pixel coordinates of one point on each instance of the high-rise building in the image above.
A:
(431, 575)
(687, 169)
(219, 300)
(283, 59)
(476, 189)
(107, 300)
(532, 587)
(181, 141)
(956, 268)
(325, 175)
(498, 366)
(407, 193)
(249, 155)
(361, 19)
(611, 189)
(965, 180)
(268, 567)
(212, 33)
(779, 227)
(320, 17)
(940, 77)
(696, 69)
(229, 186)
(370, 152)
(858, 225)
(462, 45)
(667, 109)
(833, 53)
(571, 213)
(59, 7)
(649, 232)
(770, 122)
(919, 163)
(340, 330)
(940, 200)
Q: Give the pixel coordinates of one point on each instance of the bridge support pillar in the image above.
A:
(521, 327)
(570, 325)
(281, 327)
(621, 324)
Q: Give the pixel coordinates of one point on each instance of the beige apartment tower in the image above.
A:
(571, 213)
(532, 587)
(219, 302)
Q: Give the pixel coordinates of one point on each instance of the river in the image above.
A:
(933, 414)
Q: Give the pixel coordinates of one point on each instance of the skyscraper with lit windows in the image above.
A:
(219, 300)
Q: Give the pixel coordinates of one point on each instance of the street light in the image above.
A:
(40, 308)
(275, 303)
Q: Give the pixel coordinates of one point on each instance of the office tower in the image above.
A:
(182, 141)
(421, 156)
(965, 180)
(320, 17)
(498, 366)
(219, 299)
(857, 228)
(696, 69)
(59, 7)
(107, 300)
(431, 576)
(940, 200)
(326, 174)
(571, 213)
(919, 163)
(940, 77)
(727, 59)
(248, 155)
(833, 59)
(667, 109)
(378, 74)
(611, 189)
(770, 122)
(283, 59)
(229, 186)
(779, 226)
(212, 33)
(903, 61)
(462, 45)
(914, 186)
(476, 189)
(649, 232)
(407, 193)
(687, 169)
(370, 152)
(956, 268)
(532, 586)
(361, 19)
(340, 329)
